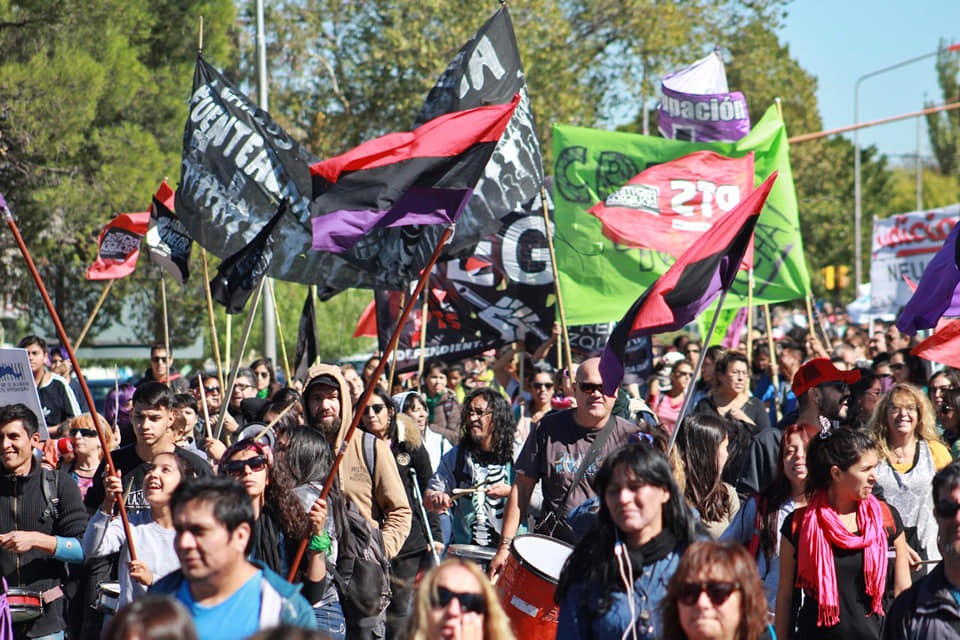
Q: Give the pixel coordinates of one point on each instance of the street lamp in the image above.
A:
(857, 211)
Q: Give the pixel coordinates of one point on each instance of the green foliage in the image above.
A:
(936, 189)
(944, 126)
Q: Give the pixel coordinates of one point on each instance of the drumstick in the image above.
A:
(459, 493)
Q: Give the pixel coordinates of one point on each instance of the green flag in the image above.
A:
(600, 279)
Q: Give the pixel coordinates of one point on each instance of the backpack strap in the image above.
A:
(889, 524)
(370, 454)
(49, 487)
(753, 546)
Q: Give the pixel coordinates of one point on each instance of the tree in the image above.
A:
(944, 126)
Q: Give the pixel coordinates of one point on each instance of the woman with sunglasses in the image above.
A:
(481, 467)
(614, 581)
(715, 594)
(279, 523)
(266, 377)
(757, 524)
(667, 404)
(838, 547)
(152, 530)
(455, 600)
(87, 452)
(904, 424)
(380, 418)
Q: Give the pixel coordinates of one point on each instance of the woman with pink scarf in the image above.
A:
(835, 552)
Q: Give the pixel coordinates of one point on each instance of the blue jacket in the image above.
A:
(579, 619)
(280, 601)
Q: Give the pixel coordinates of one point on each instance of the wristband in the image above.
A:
(505, 542)
(320, 543)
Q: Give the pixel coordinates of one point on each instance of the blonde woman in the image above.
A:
(455, 600)
(904, 424)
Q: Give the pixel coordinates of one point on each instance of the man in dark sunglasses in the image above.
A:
(930, 609)
(161, 370)
(553, 454)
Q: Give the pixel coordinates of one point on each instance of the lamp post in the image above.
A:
(857, 210)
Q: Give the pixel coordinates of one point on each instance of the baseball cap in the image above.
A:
(325, 379)
(819, 371)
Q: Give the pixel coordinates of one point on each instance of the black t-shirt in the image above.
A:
(852, 596)
(132, 470)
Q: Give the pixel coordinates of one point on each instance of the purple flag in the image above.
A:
(697, 105)
(938, 293)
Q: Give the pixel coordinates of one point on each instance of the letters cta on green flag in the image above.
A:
(601, 278)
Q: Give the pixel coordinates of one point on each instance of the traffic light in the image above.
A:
(843, 276)
(828, 277)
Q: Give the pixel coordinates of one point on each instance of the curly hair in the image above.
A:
(724, 561)
(699, 438)
(502, 420)
(496, 624)
(926, 415)
(592, 560)
(278, 494)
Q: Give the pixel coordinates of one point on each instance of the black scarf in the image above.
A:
(657, 548)
(266, 542)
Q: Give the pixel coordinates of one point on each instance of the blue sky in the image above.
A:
(840, 40)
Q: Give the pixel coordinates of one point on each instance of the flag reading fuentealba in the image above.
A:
(600, 273)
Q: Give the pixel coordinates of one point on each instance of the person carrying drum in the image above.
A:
(564, 454)
(474, 478)
(42, 518)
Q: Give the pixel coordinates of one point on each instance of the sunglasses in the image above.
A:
(376, 408)
(590, 387)
(718, 592)
(212, 389)
(836, 384)
(474, 602)
(236, 467)
(946, 509)
(478, 412)
(86, 433)
(542, 385)
(158, 359)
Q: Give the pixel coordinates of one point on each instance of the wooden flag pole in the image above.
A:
(93, 314)
(211, 316)
(424, 319)
(688, 394)
(166, 324)
(774, 367)
(65, 341)
(283, 347)
(369, 389)
(750, 284)
(236, 361)
(556, 279)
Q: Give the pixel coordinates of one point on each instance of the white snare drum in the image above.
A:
(25, 605)
(108, 597)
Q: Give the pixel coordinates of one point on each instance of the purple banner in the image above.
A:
(718, 117)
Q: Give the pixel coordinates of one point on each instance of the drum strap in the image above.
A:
(549, 522)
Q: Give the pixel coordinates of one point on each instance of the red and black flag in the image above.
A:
(420, 177)
(168, 241)
(240, 274)
(119, 246)
(690, 285)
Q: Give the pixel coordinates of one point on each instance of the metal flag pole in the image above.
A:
(65, 341)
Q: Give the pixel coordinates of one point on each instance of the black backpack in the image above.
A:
(362, 574)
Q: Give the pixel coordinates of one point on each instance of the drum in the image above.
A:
(108, 597)
(473, 552)
(24, 604)
(527, 585)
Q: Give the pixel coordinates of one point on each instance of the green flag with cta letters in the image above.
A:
(601, 278)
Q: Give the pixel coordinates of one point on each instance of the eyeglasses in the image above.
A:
(474, 602)
(946, 509)
(590, 387)
(376, 408)
(718, 592)
(212, 389)
(542, 385)
(158, 359)
(478, 412)
(236, 467)
(912, 409)
(86, 433)
(242, 386)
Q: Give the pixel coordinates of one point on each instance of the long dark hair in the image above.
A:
(504, 424)
(593, 561)
(839, 447)
(698, 440)
(380, 392)
(773, 496)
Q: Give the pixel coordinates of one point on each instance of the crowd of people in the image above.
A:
(798, 487)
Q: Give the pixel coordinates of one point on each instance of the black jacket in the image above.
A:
(927, 610)
(23, 507)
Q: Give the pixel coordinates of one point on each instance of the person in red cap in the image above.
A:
(823, 400)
